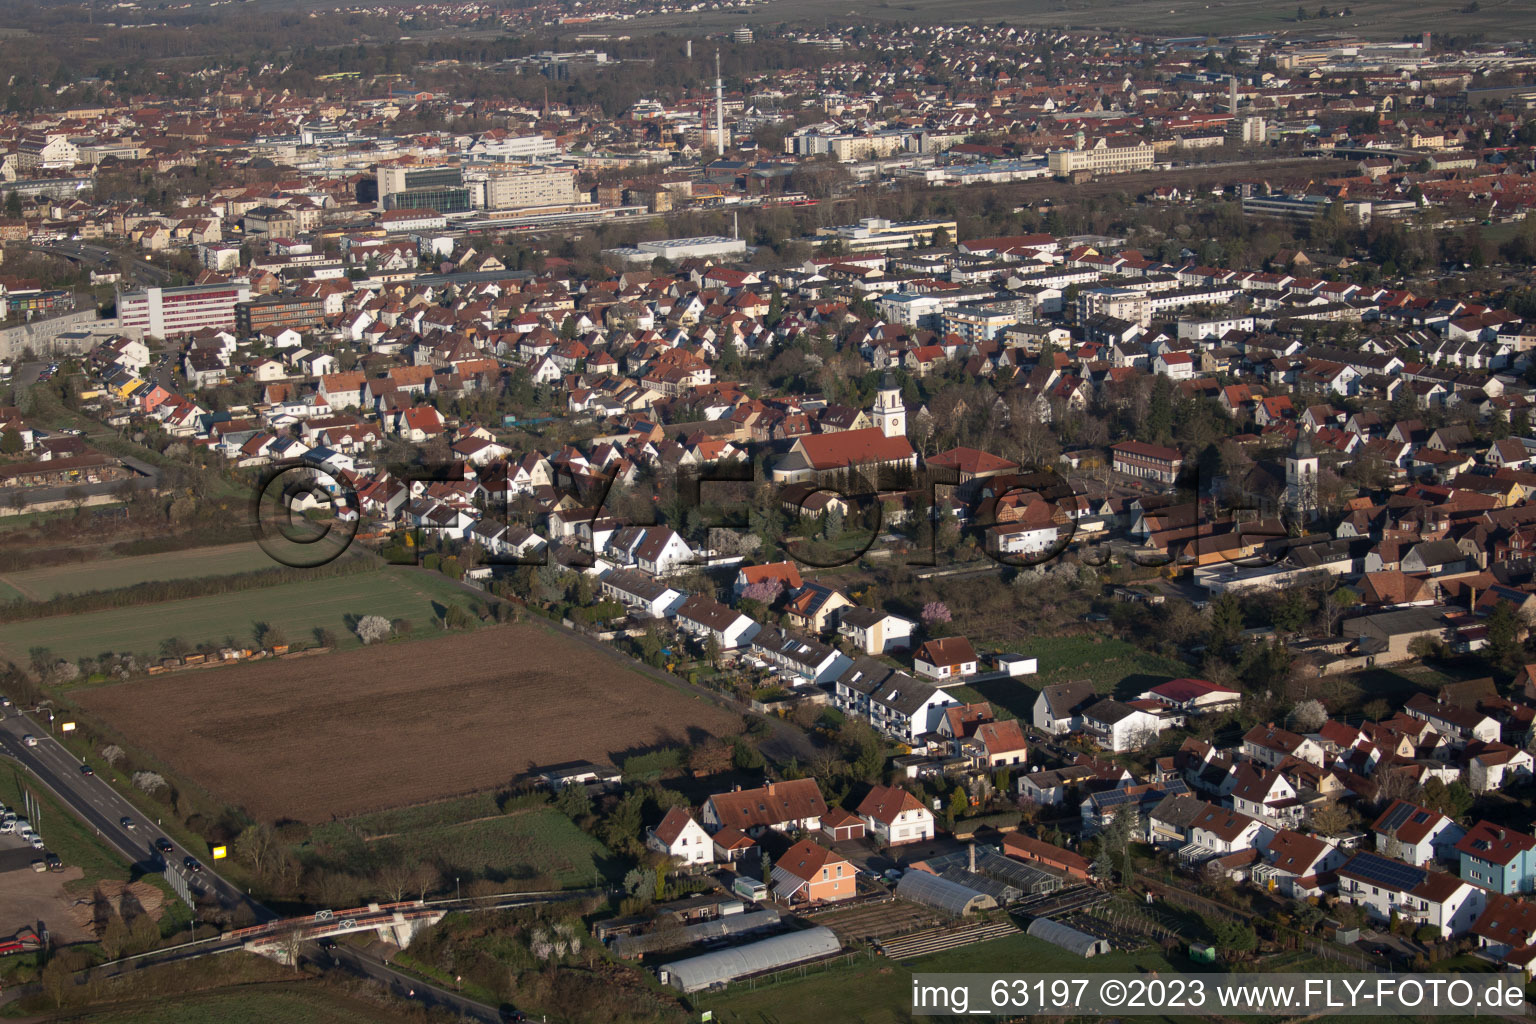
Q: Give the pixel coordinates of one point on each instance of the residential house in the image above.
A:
(1384, 887)
(1059, 707)
(875, 632)
(947, 658)
(810, 873)
(1498, 858)
(894, 816)
(680, 837)
(1405, 831)
(795, 805)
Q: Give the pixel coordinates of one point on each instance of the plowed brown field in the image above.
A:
(399, 724)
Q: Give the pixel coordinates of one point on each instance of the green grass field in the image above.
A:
(1114, 666)
(112, 573)
(296, 608)
(250, 1004)
(470, 838)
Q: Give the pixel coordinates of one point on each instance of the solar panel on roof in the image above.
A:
(1397, 816)
(1390, 873)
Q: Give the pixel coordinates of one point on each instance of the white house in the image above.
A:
(1059, 707)
(1495, 764)
(681, 837)
(876, 632)
(707, 618)
(895, 816)
(663, 551)
(1218, 831)
(1416, 834)
(1294, 864)
(1382, 886)
(948, 658)
(1119, 727)
(899, 705)
(641, 594)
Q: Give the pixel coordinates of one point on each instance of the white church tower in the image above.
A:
(890, 413)
(1301, 479)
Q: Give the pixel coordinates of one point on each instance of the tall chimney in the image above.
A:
(1232, 96)
(719, 110)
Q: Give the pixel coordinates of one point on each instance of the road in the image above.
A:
(403, 986)
(96, 803)
(103, 258)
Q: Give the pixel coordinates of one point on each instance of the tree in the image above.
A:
(936, 613)
(1308, 716)
(13, 203)
(1330, 819)
(1235, 938)
(11, 442)
(174, 647)
(371, 629)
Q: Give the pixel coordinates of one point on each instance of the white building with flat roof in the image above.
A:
(680, 249)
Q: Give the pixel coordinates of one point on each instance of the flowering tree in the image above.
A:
(936, 612)
(767, 591)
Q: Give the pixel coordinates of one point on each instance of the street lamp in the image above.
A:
(456, 894)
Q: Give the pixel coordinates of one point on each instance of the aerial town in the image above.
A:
(552, 519)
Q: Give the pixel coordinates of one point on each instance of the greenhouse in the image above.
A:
(1069, 939)
(727, 965)
(942, 894)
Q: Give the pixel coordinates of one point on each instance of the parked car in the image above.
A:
(37, 842)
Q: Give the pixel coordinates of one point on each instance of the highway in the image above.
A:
(96, 803)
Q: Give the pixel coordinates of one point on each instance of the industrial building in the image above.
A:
(679, 249)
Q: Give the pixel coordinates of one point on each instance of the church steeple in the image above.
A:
(890, 412)
(1301, 479)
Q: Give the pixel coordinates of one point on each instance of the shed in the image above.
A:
(727, 965)
(1068, 938)
(942, 894)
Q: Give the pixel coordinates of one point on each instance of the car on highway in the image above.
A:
(29, 740)
(86, 769)
(164, 845)
(191, 864)
(128, 822)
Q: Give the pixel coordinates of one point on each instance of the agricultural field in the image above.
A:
(1372, 19)
(296, 608)
(111, 573)
(398, 724)
(472, 838)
